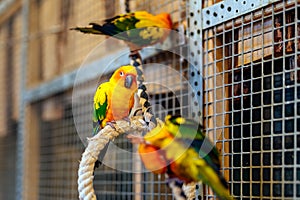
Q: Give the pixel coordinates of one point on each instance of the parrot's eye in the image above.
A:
(121, 73)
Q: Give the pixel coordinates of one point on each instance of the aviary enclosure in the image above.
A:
(236, 70)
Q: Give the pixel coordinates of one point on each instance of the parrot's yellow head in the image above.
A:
(125, 76)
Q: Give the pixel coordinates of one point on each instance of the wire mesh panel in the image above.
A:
(8, 165)
(60, 147)
(251, 100)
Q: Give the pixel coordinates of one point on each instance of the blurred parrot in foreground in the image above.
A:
(113, 100)
(138, 29)
(180, 149)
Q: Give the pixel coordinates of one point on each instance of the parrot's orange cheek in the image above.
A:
(152, 159)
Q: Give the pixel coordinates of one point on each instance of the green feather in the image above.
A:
(190, 133)
(87, 30)
(126, 24)
(99, 115)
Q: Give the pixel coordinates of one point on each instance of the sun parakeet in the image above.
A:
(113, 100)
(187, 154)
(150, 29)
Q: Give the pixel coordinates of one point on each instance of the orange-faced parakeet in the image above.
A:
(188, 154)
(113, 100)
(149, 29)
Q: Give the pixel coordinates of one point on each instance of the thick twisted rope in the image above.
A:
(95, 145)
(189, 190)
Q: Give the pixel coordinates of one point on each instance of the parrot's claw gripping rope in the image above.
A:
(112, 124)
(127, 119)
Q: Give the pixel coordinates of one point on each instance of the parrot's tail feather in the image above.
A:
(224, 182)
(89, 30)
(106, 29)
(110, 29)
(220, 187)
(216, 181)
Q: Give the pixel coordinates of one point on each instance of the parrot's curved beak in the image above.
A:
(128, 81)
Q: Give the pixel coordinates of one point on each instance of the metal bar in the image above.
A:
(21, 108)
(195, 58)
(195, 70)
(297, 101)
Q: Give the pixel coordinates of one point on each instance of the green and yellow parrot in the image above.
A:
(138, 28)
(180, 149)
(113, 100)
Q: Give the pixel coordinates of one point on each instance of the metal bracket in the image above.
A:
(229, 9)
(195, 59)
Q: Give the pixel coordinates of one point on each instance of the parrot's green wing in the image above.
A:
(201, 144)
(100, 107)
(191, 134)
(99, 114)
(123, 27)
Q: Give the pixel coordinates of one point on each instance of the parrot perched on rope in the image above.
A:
(138, 29)
(180, 149)
(113, 100)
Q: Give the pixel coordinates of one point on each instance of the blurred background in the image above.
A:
(244, 59)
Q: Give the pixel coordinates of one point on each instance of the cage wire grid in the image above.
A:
(250, 102)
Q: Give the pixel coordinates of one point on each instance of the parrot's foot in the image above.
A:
(112, 124)
(127, 119)
(135, 139)
(134, 49)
